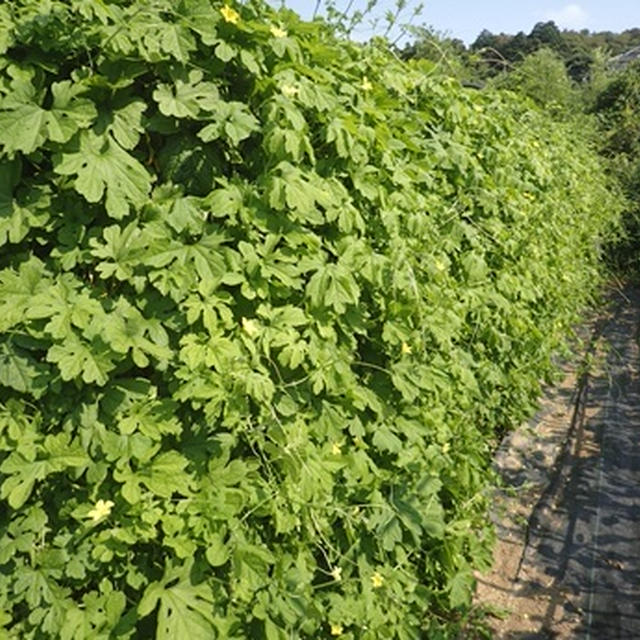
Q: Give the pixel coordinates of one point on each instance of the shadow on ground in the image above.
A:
(578, 570)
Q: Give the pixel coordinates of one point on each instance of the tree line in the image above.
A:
(491, 54)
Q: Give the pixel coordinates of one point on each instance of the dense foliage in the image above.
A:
(542, 76)
(617, 107)
(266, 299)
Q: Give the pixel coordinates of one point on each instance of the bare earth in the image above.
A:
(567, 564)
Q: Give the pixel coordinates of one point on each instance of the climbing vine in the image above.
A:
(266, 299)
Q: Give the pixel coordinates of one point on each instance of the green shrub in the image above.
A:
(542, 76)
(266, 299)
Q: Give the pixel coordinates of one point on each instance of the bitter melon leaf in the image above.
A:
(75, 358)
(204, 256)
(124, 122)
(64, 307)
(154, 38)
(334, 286)
(202, 19)
(223, 202)
(17, 219)
(22, 474)
(127, 329)
(186, 214)
(18, 371)
(77, 624)
(151, 418)
(176, 40)
(166, 475)
(16, 226)
(119, 251)
(224, 51)
(460, 588)
(187, 99)
(69, 112)
(22, 126)
(233, 121)
(162, 37)
(185, 610)
(6, 29)
(25, 125)
(103, 166)
(63, 452)
(17, 289)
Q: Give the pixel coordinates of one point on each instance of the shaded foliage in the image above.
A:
(617, 107)
(542, 76)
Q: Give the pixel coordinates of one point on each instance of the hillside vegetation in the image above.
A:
(267, 299)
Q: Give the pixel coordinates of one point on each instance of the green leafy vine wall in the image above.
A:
(266, 300)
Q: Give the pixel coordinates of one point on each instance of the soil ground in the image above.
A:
(567, 564)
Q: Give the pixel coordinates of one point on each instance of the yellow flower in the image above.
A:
(377, 580)
(336, 449)
(250, 327)
(336, 573)
(277, 32)
(406, 349)
(101, 509)
(230, 15)
(366, 85)
(446, 447)
(336, 629)
(289, 90)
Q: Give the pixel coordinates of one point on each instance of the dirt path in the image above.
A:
(568, 560)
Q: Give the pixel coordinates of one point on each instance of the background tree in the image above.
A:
(577, 49)
(546, 34)
(450, 55)
(542, 76)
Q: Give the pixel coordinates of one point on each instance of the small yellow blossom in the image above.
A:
(289, 90)
(445, 447)
(277, 32)
(336, 629)
(336, 449)
(377, 580)
(250, 327)
(336, 573)
(366, 84)
(230, 15)
(406, 349)
(439, 265)
(101, 509)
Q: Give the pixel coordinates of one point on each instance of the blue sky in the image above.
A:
(466, 18)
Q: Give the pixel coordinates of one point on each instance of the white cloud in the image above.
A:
(571, 16)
